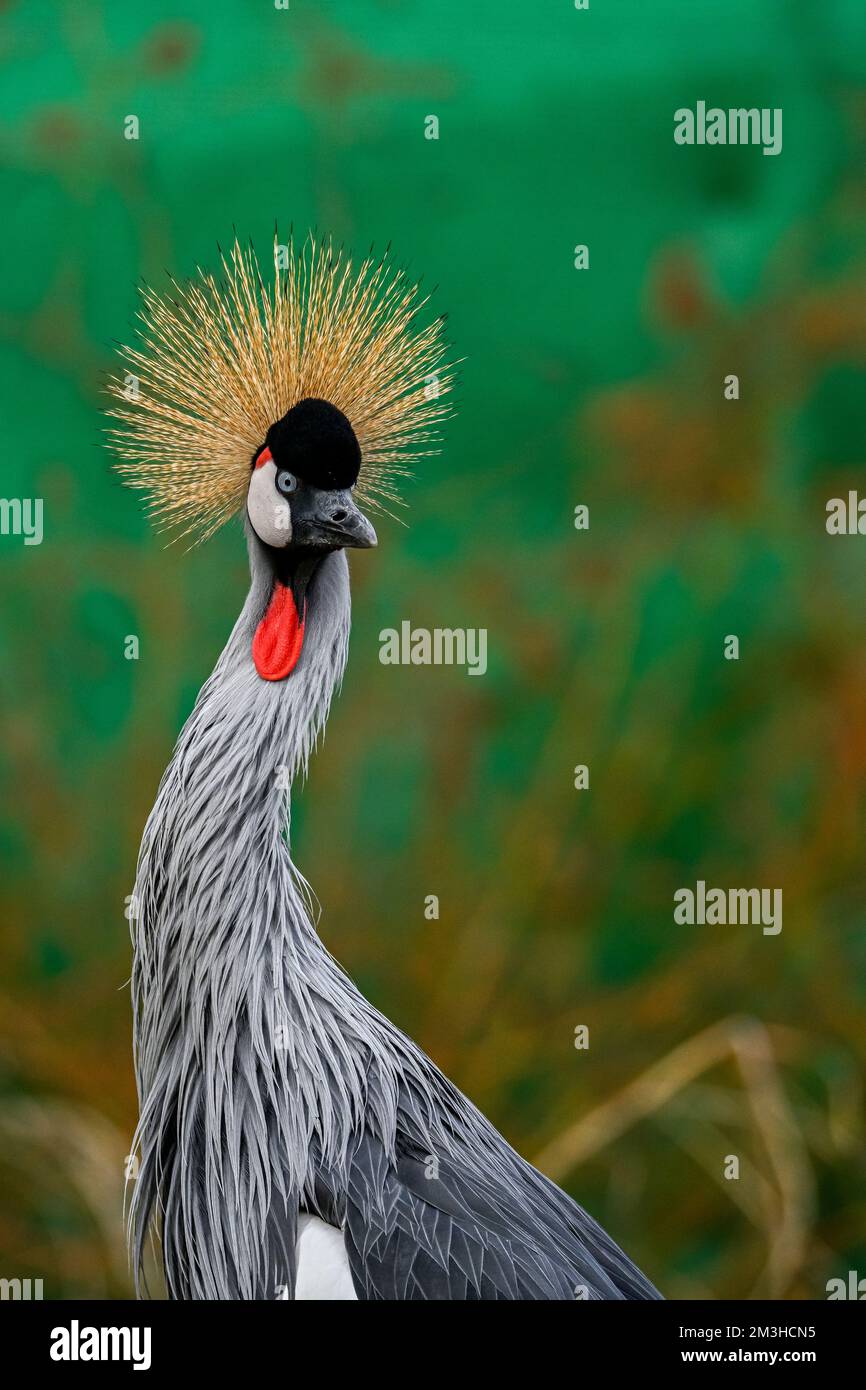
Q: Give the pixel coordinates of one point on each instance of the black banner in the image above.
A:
(80, 1339)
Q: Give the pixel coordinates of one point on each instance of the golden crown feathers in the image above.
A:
(220, 360)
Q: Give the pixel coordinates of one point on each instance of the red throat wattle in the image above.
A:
(279, 636)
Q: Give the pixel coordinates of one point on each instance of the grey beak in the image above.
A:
(333, 521)
(351, 524)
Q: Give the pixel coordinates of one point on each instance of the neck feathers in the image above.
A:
(277, 719)
(226, 962)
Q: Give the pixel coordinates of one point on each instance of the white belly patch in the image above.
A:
(323, 1265)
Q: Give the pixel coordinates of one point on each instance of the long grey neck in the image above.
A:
(215, 846)
(215, 849)
(241, 1018)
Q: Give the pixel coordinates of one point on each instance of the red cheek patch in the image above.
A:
(279, 636)
(264, 457)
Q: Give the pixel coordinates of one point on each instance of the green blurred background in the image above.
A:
(601, 387)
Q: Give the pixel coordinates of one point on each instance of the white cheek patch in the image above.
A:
(269, 513)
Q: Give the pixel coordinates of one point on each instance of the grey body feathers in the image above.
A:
(267, 1083)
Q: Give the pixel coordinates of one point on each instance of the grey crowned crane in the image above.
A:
(292, 1142)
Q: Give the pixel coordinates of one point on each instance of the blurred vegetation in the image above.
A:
(601, 387)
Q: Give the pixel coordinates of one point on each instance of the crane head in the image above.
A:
(300, 492)
(300, 505)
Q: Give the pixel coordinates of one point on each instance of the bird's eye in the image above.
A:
(286, 482)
